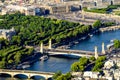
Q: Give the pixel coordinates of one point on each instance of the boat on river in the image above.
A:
(90, 35)
(25, 66)
(44, 58)
(110, 45)
(112, 40)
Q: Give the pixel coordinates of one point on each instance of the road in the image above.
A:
(86, 18)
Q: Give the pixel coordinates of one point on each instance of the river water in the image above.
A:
(54, 64)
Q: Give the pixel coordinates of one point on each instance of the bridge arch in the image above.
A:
(5, 75)
(21, 75)
(26, 73)
(37, 77)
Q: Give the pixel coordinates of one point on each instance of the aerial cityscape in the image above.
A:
(59, 39)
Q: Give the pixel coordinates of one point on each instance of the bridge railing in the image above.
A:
(70, 51)
(26, 71)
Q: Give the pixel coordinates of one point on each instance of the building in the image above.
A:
(26, 9)
(98, 3)
(7, 34)
(90, 74)
(117, 74)
(59, 8)
(109, 64)
(116, 60)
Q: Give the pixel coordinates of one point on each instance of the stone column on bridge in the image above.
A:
(41, 47)
(103, 48)
(96, 53)
(50, 44)
(83, 15)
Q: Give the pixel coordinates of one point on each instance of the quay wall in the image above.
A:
(110, 28)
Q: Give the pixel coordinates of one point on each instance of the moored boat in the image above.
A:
(112, 40)
(25, 66)
(110, 45)
(44, 58)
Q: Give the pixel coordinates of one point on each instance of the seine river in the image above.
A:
(54, 64)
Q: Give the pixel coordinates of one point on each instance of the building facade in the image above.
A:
(7, 34)
(98, 3)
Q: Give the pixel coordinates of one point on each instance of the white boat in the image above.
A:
(90, 35)
(25, 66)
(112, 40)
(110, 45)
(44, 58)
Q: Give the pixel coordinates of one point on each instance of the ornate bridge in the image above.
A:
(79, 53)
(29, 74)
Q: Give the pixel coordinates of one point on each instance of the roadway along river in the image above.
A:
(54, 64)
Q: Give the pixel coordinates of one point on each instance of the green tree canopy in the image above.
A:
(117, 44)
(97, 24)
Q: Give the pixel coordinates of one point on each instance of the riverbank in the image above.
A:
(77, 41)
(69, 44)
(28, 61)
(110, 28)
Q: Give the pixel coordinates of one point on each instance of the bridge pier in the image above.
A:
(96, 53)
(83, 16)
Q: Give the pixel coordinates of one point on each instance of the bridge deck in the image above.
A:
(70, 51)
(26, 71)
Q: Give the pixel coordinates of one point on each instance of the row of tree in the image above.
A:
(36, 29)
(12, 54)
(99, 63)
(83, 62)
(102, 10)
(59, 76)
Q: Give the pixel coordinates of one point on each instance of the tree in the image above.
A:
(10, 61)
(98, 66)
(4, 42)
(92, 58)
(17, 57)
(97, 24)
(68, 76)
(99, 63)
(75, 66)
(16, 40)
(2, 64)
(117, 44)
(101, 59)
(61, 77)
(55, 76)
(83, 61)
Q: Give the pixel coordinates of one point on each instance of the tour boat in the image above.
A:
(25, 66)
(90, 35)
(44, 58)
(110, 45)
